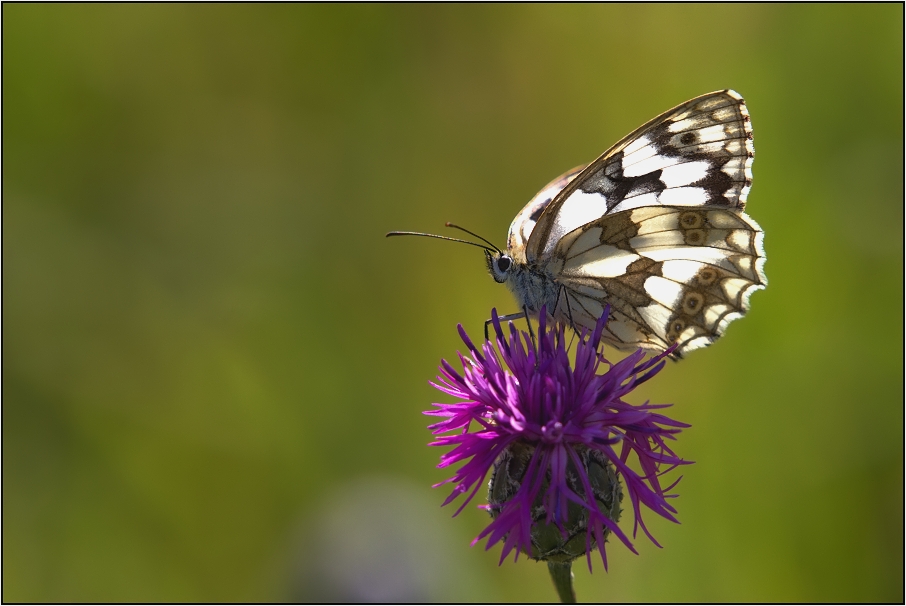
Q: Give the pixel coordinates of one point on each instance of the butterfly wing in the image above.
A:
(696, 154)
(654, 227)
(670, 274)
(522, 226)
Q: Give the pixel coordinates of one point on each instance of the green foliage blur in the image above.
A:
(214, 363)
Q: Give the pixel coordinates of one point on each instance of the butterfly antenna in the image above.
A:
(418, 233)
(448, 224)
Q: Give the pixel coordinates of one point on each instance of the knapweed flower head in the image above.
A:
(556, 439)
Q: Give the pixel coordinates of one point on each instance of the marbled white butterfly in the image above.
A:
(654, 227)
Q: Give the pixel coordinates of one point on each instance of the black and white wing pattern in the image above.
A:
(696, 154)
(524, 223)
(670, 274)
(654, 227)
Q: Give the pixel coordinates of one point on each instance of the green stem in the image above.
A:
(562, 575)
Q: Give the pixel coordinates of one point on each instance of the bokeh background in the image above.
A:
(214, 363)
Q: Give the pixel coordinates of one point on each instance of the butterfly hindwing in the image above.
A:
(696, 154)
(670, 274)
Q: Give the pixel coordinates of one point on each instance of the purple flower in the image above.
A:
(556, 439)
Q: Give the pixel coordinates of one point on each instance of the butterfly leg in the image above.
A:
(505, 318)
(528, 321)
(509, 317)
(569, 309)
(569, 314)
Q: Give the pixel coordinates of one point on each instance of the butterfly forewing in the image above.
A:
(522, 226)
(697, 154)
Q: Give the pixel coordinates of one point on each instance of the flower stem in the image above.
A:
(562, 575)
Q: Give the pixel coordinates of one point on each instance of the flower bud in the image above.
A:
(549, 542)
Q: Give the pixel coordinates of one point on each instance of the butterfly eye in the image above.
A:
(503, 264)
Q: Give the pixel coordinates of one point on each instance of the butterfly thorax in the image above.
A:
(532, 286)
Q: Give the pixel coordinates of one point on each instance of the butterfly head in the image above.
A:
(499, 265)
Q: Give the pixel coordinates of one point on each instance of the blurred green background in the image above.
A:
(214, 363)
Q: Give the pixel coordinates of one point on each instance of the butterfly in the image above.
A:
(654, 228)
